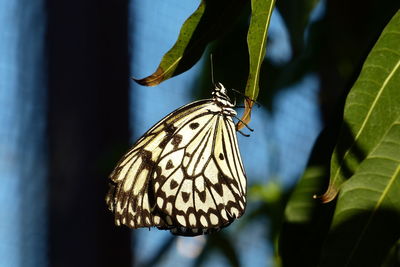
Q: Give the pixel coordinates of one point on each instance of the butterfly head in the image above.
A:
(219, 87)
(220, 96)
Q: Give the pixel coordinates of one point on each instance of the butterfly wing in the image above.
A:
(200, 183)
(129, 196)
(185, 174)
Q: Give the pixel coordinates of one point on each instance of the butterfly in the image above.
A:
(185, 174)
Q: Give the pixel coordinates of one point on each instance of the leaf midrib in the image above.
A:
(367, 116)
(378, 204)
(260, 52)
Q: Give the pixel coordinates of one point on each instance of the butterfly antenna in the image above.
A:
(252, 100)
(212, 69)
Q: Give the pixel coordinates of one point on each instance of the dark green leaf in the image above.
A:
(367, 217)
(209, 21)
(393, 259)
(372, 106)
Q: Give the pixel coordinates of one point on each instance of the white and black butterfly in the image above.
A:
(185, 174)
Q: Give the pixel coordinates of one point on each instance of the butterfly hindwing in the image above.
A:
(180, 179)
(196, 186)
(228, 160)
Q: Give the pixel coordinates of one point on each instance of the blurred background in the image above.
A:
(69, 111)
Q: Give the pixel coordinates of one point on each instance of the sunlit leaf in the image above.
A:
(208, 22)
(261, 12)
(372, 107)
(367, 217)
(246, 117)
(269, 192)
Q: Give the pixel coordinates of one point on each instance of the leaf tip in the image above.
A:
(329, 195)
(154, 79)
(248, 103)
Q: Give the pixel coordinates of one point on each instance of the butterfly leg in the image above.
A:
(242, 133)
(245, 124)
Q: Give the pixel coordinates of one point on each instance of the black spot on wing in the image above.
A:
(157, 172)
(173, 184)
(169, 131)
(169, 128)
(147, 163)
(163, 143)
(202, 196)
(176, 140)
(150, 193)
(170, 165)
(218, 189)
(218, 186)
(185, 196)
(194, 125)
(221, 156)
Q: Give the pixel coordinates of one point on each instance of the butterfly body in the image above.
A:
(185, 174)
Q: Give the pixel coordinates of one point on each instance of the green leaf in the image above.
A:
(261, 12)
(209, 21)
(269, 192)
(372, 106)
(367, 217)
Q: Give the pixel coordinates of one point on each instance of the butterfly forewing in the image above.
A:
(129, 198)
(185, 174)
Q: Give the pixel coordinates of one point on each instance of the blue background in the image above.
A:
(276, 151)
